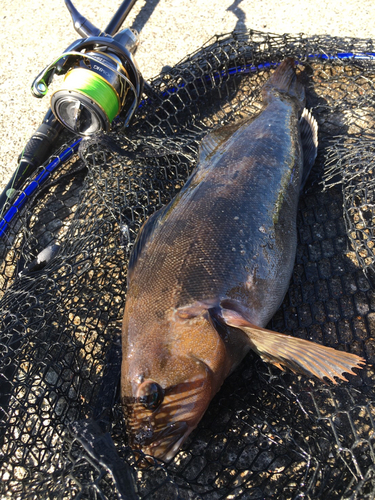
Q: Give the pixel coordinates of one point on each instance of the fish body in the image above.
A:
(209, 270)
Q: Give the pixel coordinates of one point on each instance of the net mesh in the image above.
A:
(266, 434)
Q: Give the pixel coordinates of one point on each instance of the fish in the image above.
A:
(210, 269)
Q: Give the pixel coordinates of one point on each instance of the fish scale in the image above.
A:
(230, 184)
(209, 270)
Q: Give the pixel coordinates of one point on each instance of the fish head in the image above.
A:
(171, 369)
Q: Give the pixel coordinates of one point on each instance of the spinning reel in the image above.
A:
(102, 80)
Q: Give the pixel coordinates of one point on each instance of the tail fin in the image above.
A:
(284, 80)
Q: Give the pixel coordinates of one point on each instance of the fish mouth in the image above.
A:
(162, 445)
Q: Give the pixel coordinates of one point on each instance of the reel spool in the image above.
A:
(89, 100)
(102, 81)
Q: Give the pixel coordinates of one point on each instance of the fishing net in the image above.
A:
(266, 434)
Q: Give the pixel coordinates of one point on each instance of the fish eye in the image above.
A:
(150, 394)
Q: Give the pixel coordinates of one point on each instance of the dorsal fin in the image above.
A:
(217, 137)
(144, 235)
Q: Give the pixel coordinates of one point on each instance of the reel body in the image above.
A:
(101, 82)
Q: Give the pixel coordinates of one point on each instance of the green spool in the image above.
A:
(95, 88)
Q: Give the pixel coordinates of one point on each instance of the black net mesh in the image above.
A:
(266, 434)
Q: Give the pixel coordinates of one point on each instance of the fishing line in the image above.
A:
(94, 87)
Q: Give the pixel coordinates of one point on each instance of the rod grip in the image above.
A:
(38, 147)
(35, 153)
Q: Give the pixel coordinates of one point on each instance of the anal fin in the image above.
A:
(308, 128)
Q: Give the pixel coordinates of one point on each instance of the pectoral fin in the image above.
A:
(300, 356)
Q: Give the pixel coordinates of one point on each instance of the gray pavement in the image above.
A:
(34, 33)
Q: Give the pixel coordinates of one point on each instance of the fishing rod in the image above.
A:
(102, 82)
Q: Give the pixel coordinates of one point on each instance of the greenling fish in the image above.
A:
(209, 270)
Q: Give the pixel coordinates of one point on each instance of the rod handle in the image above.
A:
(36, 151)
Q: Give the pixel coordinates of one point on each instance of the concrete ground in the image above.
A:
(36, 32)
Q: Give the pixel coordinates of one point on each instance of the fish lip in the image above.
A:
(167, 442)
